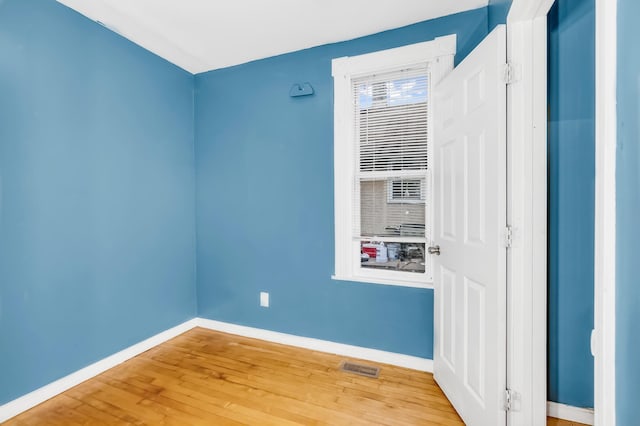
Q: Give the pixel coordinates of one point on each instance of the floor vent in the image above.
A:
(361, 369)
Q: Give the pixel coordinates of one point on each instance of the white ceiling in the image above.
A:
(202, 35)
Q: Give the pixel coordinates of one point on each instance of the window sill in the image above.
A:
(383, 281)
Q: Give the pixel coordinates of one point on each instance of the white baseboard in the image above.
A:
(401, 360)
(38, 396)
(30, 400)
(567, 412)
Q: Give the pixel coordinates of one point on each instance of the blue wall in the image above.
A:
(498, 11)
(264, 165)
(628, 208)
(97, 221)
(571, 200)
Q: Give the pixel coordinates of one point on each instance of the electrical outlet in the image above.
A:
(264, 299)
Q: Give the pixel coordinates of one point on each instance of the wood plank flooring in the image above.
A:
(557, 422)
(204, 377)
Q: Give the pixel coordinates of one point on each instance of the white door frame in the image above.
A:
(527, 205)
(603, 344)
(527, 211)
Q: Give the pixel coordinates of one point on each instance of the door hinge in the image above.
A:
(511, 400)
(510, 74)
(507, 400)
(508, 237)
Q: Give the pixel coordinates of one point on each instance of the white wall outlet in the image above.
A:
(264, 299)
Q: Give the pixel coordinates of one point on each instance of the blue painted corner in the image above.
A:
(571, 156)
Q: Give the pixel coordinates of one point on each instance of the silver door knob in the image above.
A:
(434, 250)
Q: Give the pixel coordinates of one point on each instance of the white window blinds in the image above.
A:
(391, 127)
(391, 120)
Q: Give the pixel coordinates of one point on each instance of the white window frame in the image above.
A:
(439, 54)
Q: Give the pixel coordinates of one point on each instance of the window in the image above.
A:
(405, 190)
(382, 170)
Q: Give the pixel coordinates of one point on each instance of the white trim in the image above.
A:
(526, 10)
(382, 281)
(570, 413)
(439, 54)
(416, 53)
(376, 355)
(38, 396)
(605, 213)
(527, 210)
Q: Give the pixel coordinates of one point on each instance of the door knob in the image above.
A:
(434, 250)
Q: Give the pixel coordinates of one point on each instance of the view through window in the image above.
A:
(391, 120)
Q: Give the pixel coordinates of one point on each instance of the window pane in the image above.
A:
(391, 115)
(402, 91)
(391, 161)
(408, 91)
(405, 190)
(392, 207)
(397, 256)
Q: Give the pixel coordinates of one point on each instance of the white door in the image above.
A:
(469, 226)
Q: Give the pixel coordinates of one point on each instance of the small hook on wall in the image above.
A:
(301, 89)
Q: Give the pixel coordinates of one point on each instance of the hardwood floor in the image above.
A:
(204, 377)
(557, 422)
